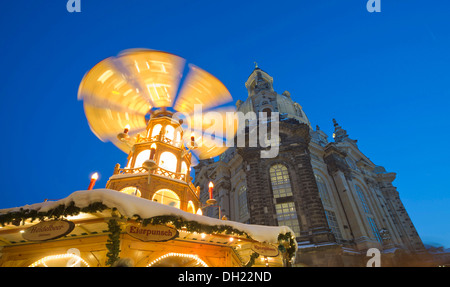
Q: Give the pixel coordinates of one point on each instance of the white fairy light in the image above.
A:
(181, 255)
(44, 260)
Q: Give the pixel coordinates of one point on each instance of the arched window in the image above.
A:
(156, 130)
(281, 187)
(191, 207)
(141, 157)
(362, 199)
(242, 201)
(168, 161)
(323, 192)
(169, 132)
(168, 197)
(268, 112)
(131, 190)
(281, 184)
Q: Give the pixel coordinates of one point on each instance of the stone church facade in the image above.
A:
(337, 201)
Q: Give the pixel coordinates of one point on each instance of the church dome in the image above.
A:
(263, 98)
(288, 108)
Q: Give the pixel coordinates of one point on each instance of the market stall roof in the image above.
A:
(130, 206)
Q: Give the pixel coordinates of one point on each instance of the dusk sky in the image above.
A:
(383, 76)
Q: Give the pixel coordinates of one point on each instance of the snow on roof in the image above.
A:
(130, 205)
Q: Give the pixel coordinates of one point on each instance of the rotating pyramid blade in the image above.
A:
(157, 74)
(201, 88)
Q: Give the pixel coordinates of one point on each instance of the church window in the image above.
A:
(167, 197)
(375, 230)
(362, 199)
(268, 112)
(333, 224)
(287, 215)
(279, 177)
(242, 201)
(323, 192)
(281, 187)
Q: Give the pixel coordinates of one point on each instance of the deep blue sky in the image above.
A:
(383, 76)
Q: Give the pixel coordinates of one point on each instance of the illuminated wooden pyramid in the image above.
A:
(127, 101)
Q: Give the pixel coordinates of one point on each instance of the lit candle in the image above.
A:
(152, 151)
(211, 185)
(94, 178)
(192, 139)
(126, 129)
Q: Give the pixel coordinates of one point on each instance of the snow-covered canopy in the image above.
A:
(129, 206)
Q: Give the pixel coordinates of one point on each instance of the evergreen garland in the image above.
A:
(287, 243)
(190, 225)
(17, 217)
(113, 243)
(252, 259)
(287, 239)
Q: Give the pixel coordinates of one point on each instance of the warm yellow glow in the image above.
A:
(113, 98)
(191, 207)
(131, 190)
(184, 168)
(199, 211)
(211, 184)
(167, 197)
(201, 88)
(141, 157)
(170, 132)
(181, 255)
(94, 176)
(127, 128)
(156, 130)
(46, 260)
(168, 161)
(129, 162)
(203, 235)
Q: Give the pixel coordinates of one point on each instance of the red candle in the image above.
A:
(94, 178)
(192, 140)
(211, 185)
(152, 151)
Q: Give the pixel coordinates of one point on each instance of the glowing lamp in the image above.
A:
(94, 178)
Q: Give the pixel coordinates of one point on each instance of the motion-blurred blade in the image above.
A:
(201, 88)
(205, 145)
(157, 74)
(206, 152)
(105, 86)
(106, 123)
(221, 122)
